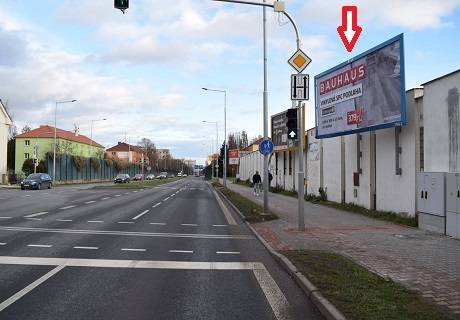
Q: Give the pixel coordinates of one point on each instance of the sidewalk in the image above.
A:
(422, 261)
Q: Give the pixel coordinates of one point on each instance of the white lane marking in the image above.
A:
(2, 244)
(64, 220)
(36, 219)
(68, 207)
(189, 224)
(166, 199)
(86, 248)
(118, 195)
(95, 221)
(6, 218)
(130, 233)
(36, 214)
(156, 205)
(273, 293)
(27, 195)
(89, 202)
(180, 251)
(136, 250)
(158, 223)
(202, 189)
(40, 245)
(132, 264)
(125, 222)
(220, 225)
(140, 215)
(18, 295)
(227, 252)
(127, 192)
(134, 191)
(227, 213)
(106, 198)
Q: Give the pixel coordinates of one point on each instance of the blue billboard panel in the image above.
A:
(365, 93)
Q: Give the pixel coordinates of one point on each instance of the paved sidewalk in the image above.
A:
(422, 261)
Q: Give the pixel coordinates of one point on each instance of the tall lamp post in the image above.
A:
(225, 130)
(216, 165)
(55, 134)
(91, 136)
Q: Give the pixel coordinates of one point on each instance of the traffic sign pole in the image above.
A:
(266, 156)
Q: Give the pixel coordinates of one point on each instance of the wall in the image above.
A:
(3, 146)
(332, 173)
(313, 167)
(442, 124)
(249, 164)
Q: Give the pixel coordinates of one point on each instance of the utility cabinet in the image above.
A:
(453, 205)
(431, 201)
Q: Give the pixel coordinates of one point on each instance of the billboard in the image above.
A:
(233, 156)
(279, 131)
(365, 93)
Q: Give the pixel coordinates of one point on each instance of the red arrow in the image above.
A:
(349, 31)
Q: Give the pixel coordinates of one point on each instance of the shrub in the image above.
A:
(119, 165)
(28, 166)
(109, 162)
(78, 162)
(96, 164)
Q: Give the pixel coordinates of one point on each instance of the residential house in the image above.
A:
(5, 123)
(127, 152)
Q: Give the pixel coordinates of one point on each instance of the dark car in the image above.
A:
(139, 177)
(37, 181)
(122, 178)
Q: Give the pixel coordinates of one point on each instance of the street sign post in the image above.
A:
(299, 61)
(300, 87)
(266, 147)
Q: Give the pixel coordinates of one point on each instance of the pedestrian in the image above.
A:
(256, 180)
(270, 178)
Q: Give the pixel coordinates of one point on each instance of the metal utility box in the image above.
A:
(453, 205)
(431, 201)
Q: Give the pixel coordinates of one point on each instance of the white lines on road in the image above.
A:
(89, 202)
(189, 224)
(273, 293)
(36, 214)
(140, 215)
(30, 287)
(40, 245)
(134, 191)
(64, 220)
(156, 205)
(220, 225)
(180, 251)
(227, 213)
(2, 244)
(118, 195)
(27, 195)
(68, 207)
(125, 222)
(227, 252)
(106, 198)
(127, 192)
(5, 218)
(166, 199)
(158, 223)
(95, 221)
(135, 250)
(86, 248)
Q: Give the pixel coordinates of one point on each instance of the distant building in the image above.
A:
(126, 152)
(164, 154)
(5, 123)
(190, 163)
(40, 141)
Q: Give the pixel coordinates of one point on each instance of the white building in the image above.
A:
(5, 123)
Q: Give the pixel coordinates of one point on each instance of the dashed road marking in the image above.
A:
(86, 248)
(89, 202)
(95, 221)
(134, 191)
(166, 199)
(140, 215)
(106, 198)
(220, 225)
(36, 214)
(40, 245)
(68, 207)
(125, 222)
(156, 205)
(158, 223)
(228, 252)
(189, 224)
(2, 243)
(6, 218)
(127, 192)
(136, 250)
(180, 251)
(118, 195)
(64, 220)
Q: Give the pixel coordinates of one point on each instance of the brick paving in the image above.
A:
(425, 262)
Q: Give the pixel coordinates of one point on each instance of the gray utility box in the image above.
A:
(431, 201)
(453, 205)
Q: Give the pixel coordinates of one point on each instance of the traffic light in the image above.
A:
(121, 4)
(291, 124)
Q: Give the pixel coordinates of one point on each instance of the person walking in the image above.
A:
(257, 181)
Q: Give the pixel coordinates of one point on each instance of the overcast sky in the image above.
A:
(144, 70)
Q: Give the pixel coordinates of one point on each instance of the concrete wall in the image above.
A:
(249, 164)
(332, 168)
(442, 124)
(313, 167)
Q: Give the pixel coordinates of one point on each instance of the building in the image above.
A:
(126, 152)
(38, 142)
(251, 160)
(189, 163)
(5, 123)
(164, 154)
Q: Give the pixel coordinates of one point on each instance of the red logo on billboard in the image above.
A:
(355, 116)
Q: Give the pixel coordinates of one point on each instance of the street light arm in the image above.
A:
(248, 2)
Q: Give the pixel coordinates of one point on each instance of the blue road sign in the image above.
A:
(266, 147)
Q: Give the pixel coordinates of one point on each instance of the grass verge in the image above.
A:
(252, 211)
(139, 184)
(359, 293)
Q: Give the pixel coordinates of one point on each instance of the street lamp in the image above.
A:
(55, 134)
(215, 165)
(225, 130)
(91, 136)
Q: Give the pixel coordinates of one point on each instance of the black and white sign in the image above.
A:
(300, 87)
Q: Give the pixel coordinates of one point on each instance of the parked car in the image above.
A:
(179, 174)
(138, 177)
(162, 175)
(150, 177)
(122, 178)
(184, 175)
(37, 181)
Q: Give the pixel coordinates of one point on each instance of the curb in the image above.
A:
(325, 307)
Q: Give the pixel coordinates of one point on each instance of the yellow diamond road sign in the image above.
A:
(299, 61)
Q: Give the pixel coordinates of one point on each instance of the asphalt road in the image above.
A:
(170, 252)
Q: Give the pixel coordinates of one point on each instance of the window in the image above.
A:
(114, 153)
(284, 163)
(27, 142)
(290, 163)
(276, 163)
(26, 156)
(422, 150)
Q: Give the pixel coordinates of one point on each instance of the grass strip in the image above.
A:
(252, 211)
(359, 293)
(139, 184)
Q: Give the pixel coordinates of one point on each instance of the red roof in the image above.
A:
(48, 132)
(124, 147)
